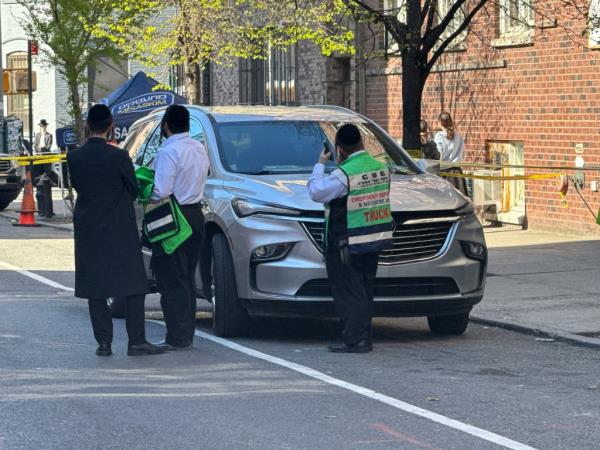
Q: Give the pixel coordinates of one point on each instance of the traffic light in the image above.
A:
(16, 81)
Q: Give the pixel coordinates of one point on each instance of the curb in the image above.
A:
(58, 226)
(553, 333)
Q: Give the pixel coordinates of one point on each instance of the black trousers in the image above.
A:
(175, 277)
(352, 287)
(134, 319)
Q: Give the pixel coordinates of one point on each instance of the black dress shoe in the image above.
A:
(145, 348)
(104, 349)
(171, 347)
(363, 346)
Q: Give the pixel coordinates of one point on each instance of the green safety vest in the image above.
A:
(362, 220)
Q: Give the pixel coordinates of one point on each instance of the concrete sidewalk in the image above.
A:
(543, 282)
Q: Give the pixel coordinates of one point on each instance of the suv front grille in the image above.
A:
(5, 166)
(412, 242)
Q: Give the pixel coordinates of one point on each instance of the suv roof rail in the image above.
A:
(340, 109)
(205, 110)
(334, 107)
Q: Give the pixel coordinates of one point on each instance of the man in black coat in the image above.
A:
(108, 257)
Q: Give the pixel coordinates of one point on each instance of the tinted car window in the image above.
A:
(152, 147)
(290, 146)
(134, 144)
(155, 141)
(197, 132)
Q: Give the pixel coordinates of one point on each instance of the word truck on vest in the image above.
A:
(362, 220)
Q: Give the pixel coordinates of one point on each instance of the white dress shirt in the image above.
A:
(450, 149)
(181, 168)
(324, 189)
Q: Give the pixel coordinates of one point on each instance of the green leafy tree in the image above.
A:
(419, 31)
(191, 32)
(64, 28)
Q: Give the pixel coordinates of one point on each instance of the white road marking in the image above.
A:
(35, 276)
(315, 374)
(399, 404)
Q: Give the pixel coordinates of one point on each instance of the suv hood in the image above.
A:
(421, 192)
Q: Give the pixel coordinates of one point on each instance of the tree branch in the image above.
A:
(432, 35)
(463, 26)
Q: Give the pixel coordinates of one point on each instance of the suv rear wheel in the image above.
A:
(452, 324)
(229, 318)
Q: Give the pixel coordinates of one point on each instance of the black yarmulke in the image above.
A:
(348, 135)
(177, 117)
(98, 113)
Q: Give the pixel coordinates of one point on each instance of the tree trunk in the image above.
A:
(192, 83)
(412, 93)
(75, 101)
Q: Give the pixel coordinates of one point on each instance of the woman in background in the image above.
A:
(451, 146)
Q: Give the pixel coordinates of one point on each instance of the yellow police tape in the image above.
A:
(534, 176)
(47, 158)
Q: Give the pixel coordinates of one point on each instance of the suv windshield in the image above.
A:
(281, 147)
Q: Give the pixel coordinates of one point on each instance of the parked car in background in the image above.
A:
(263, 252)
(10, 182)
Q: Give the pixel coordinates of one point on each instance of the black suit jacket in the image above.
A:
(108, 257)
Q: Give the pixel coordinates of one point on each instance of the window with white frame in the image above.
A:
(594, 24)
(460, 41)
(515, 17)
(396, 8)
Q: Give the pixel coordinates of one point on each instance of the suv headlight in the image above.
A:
(244, 207)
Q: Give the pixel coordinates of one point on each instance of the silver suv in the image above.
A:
(263, 252)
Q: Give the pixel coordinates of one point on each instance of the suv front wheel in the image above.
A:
(229, 318)
(451, 324)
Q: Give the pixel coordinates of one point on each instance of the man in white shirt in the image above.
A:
(181, 168)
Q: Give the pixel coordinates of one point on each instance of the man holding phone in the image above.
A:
(181, 169)
(358, 225)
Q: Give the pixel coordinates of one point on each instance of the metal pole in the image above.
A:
(1, 90)
(30, 80)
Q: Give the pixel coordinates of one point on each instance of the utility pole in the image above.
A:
(30, 45)
(2, 149)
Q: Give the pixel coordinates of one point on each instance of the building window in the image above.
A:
(18, 104)
(177, 79)
(252, 81)
(594, 24)
(516, 17)
(396, 8)
(281, 76)
(460, 41)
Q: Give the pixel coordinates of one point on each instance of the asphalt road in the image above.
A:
(278, 389)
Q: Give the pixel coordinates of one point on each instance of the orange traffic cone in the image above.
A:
(27, 212)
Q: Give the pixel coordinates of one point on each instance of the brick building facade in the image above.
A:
(518, 94)
(523, 95)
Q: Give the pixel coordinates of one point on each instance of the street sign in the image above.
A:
(33, 45)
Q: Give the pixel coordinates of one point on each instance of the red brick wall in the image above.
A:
(545, 95)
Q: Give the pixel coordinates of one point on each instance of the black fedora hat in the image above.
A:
(43, 123)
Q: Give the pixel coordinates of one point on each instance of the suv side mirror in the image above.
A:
(431, 166)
